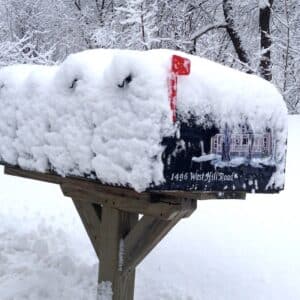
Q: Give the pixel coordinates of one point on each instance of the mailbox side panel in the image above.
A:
(214, 159)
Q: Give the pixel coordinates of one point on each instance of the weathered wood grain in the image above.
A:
(90, 216)
(115, 225)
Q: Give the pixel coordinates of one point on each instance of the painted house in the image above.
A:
(256, 145)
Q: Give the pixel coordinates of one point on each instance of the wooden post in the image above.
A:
(107, 228)
(115, 225)
(121, 241)
(110, 217)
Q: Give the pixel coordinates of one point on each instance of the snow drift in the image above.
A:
(104, 113)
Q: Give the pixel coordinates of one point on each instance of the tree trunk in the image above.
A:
(100, 9)
(234, 36)
(265, 41)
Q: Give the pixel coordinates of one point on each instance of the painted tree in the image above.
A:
(226, 144)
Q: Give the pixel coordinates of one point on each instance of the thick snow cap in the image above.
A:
(104, 113)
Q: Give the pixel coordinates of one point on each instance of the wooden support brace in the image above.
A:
(90, 215)
(143, 238)
(147, 233)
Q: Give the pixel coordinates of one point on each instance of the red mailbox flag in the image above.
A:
(179, 66)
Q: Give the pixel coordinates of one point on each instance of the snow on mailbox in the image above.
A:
(154, 120)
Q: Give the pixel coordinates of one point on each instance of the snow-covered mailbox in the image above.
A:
(127, 133)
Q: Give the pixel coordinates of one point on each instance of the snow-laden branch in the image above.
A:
(24, 51)
(206, 29)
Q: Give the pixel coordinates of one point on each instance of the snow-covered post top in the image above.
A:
(104, 113)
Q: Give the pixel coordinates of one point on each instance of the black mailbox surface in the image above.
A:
(211, 159)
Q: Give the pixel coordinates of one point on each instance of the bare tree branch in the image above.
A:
(77, 4)
(206, 29)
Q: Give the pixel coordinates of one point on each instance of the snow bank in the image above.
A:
(105, 112)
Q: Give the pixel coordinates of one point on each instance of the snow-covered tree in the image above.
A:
(136, 24)
(262, 36)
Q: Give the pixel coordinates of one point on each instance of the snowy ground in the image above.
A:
(226, 250)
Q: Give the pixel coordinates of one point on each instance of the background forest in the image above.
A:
(256, 36)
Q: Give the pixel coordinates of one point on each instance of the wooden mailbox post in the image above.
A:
(110, 216)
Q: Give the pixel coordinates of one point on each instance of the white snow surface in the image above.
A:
(104, 291)
(206, 157)
(75, 119)
(263, 3)
(227, 250)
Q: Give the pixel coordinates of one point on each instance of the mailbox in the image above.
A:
(153, 120)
